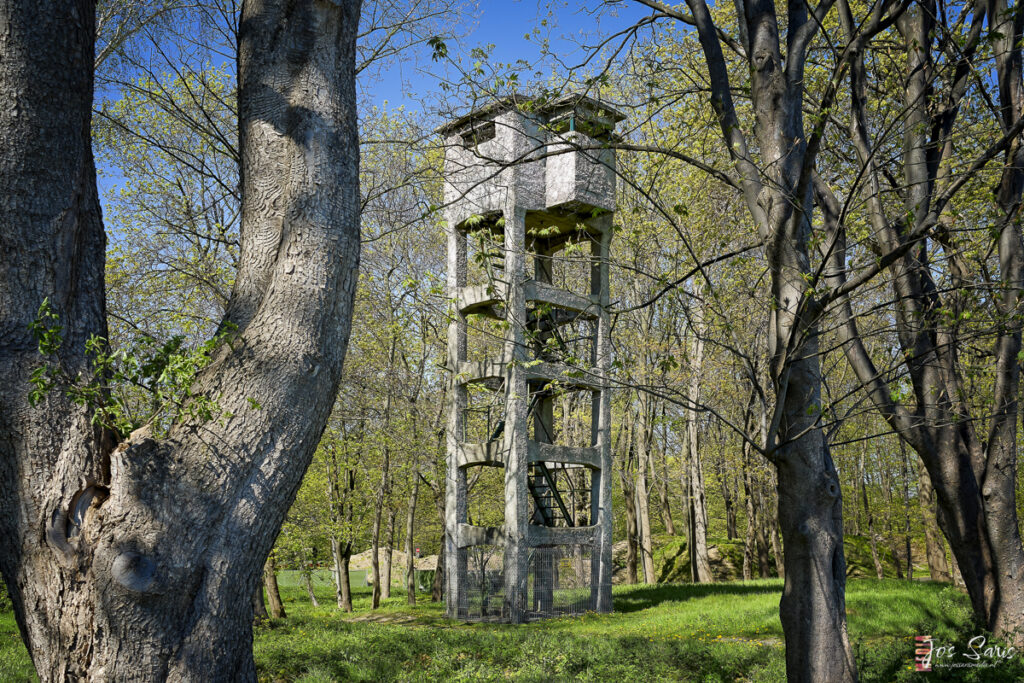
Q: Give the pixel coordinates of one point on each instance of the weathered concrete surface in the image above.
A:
(540, 175)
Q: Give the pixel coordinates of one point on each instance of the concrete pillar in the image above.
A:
(601, 421)
(517, 505)
(455, 486)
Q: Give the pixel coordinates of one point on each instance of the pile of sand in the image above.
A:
(362, 560)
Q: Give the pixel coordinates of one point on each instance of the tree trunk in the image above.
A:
(751, 510)
(273, 594)
(374, 577)
(410, 527)
(663, 479)
(340, 554)
(642, 434)
(259, 608)
(729, 499)
(666, 511)
(307, 579)
(700, 562)
(780, 558)
(887, 486)
(905, 476)
(872, 542)
(764, 563)
(938, 569)
(629, 497)
(629, 501)
(385, 587)
(437, 587)
(145, 558)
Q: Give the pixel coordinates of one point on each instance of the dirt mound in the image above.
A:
(363, 560)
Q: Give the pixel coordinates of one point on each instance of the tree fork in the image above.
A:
(156, 577)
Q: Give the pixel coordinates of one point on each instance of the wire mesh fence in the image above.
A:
(483, 584)
(558, 583)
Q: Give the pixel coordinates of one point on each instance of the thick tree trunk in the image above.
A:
(273, 594)
(340, 554)
(259, 608)
(145, 558)
(938, 569)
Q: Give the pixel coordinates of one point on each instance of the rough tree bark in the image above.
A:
(938, 568)
(145, 556)
(273, 594)
(259, 608)
(777, 195)
(969, 473)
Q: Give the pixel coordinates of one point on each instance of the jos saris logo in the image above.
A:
(978, 653)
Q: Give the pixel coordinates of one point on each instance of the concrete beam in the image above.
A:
(545, 452)
(480, 298)
(549, 294)
(551, 535)
(469, 534)
(486, 454)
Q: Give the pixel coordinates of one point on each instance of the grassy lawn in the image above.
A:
(723, 632)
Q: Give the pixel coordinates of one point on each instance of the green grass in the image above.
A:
(674, 632)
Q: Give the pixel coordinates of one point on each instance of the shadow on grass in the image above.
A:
(644, 597)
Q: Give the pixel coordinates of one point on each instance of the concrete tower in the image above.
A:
(536, 181)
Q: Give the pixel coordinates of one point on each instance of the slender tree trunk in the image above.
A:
(666, 512)
(340, 554)
(751, 510)
(905, 476)
(887, 485)
(764, 564)
(307, 579)
(642, 434)
(780, 558)
(437, 587)
(663, 493)
(385, 588)
(698, 501)
(728, 498)
(410, 527)
(862, 481)
(273, 594)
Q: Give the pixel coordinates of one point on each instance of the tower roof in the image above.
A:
(551, 110)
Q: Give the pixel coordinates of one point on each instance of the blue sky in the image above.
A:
(499, 25)
(504, 24)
